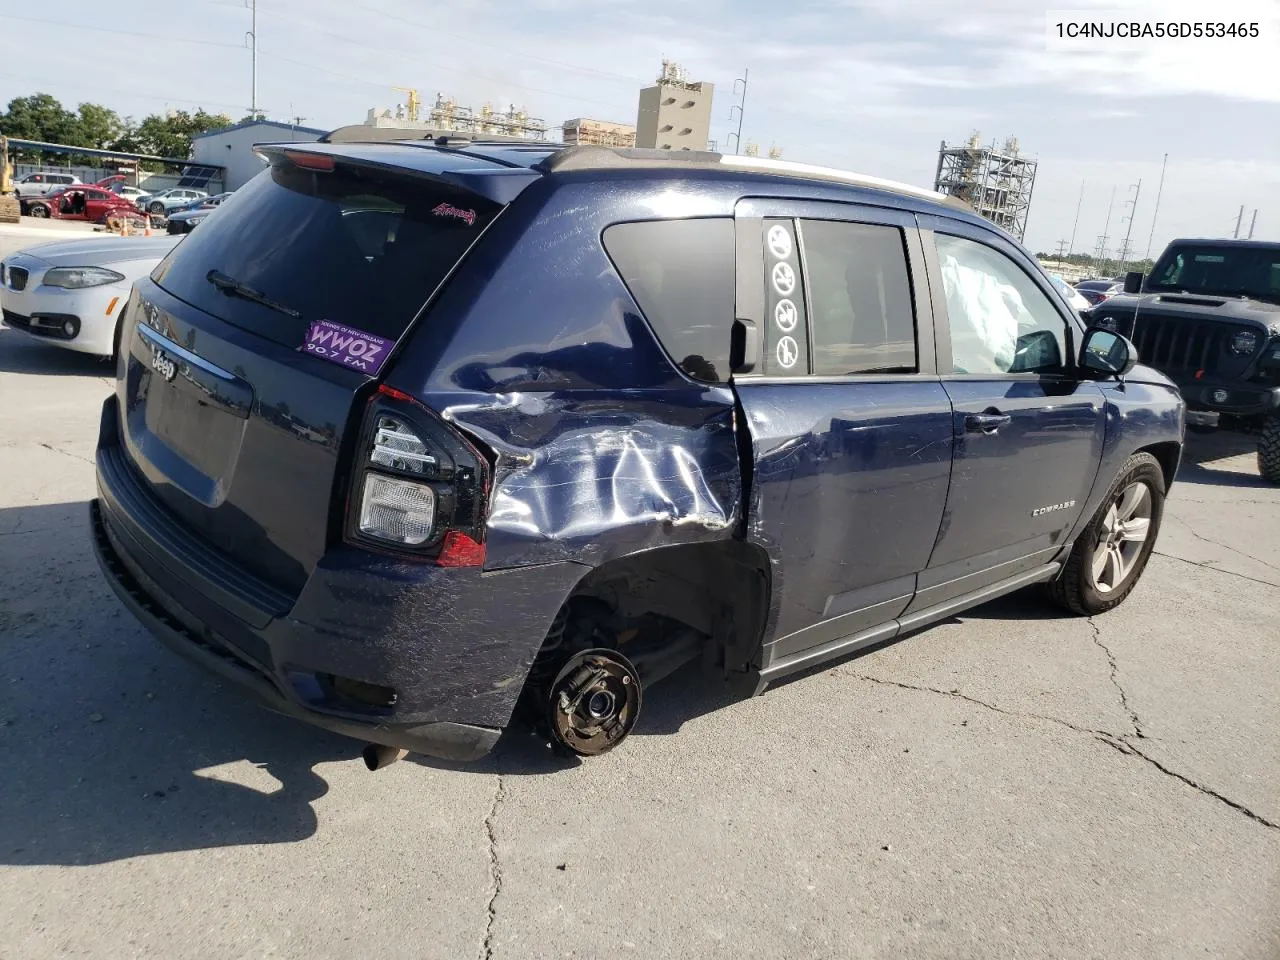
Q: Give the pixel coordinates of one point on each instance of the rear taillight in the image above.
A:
(419, 486)
(397, 511)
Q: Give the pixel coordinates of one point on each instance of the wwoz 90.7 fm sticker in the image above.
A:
(347, 346)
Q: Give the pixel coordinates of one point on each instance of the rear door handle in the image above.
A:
(988, 422)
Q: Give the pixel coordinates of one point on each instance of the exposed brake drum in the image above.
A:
(593, 703)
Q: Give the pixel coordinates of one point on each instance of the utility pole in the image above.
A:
(1133, 209)
(1155, 213)
(252, 38)
(1062, 249)
(1239, 218)
(740, 106)
(295, 120)
(1072, 246)
(1106, 231)
(1253, 223)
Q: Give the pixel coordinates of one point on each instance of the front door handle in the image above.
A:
(988, 422)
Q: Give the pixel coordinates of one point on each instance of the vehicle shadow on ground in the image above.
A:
(111, 747)
(1203, 450)
(22, 353)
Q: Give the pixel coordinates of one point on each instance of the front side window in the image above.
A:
(1000, 321)
(861, 315)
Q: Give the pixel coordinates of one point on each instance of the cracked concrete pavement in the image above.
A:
(1012, 783)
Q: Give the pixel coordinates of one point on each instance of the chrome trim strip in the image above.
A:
(164, 343)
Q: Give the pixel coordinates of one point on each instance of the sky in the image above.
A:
(866, 85)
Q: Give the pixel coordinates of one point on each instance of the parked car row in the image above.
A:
(63, 196)
(160, 204)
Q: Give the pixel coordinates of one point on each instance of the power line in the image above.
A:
(125, 33)
(125, 93)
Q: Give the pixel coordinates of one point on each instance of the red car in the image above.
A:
(80, 203)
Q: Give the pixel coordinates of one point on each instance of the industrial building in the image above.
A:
(231, 148)
(996, 183)
(599, 133)
(446, 117)
(675, 113)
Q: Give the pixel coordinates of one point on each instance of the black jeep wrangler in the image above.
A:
(1208, 316)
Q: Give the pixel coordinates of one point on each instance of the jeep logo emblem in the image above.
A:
(161, 364)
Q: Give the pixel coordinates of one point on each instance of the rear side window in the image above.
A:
(681, 274)
(355, 246)
(861, 314)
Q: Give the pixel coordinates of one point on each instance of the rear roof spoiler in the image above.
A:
(495, 181)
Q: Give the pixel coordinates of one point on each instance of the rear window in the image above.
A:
(359, 247)
(681, 274)
(860, 298)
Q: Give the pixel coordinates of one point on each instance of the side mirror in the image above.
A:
(1133, 281)
(1037, 350)
(1107, 353)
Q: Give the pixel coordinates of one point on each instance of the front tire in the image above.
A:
(157, 209)
(1112, 551)
(39, 211)
(1269, 449)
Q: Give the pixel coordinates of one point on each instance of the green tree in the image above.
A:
(99, 127)
(170, 136)
(39, 117)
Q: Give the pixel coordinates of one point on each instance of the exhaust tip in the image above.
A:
(376, 756)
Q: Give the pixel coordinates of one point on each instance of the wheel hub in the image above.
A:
(593, 703)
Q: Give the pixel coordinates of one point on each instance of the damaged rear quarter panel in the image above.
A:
(579, 478)
(537, 350)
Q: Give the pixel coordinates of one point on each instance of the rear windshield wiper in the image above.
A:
(233, 287)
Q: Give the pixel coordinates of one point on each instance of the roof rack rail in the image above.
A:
(599, 158)
(813, 172)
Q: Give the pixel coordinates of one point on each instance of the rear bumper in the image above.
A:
(452, 741)
(454, 645)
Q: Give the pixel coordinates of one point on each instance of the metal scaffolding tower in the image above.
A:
(995, 182)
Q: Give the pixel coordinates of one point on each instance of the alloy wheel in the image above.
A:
(1124, 530)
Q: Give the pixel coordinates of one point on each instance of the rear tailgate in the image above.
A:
(245, 349)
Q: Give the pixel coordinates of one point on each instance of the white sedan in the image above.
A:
(1070, 294)
(71, 293)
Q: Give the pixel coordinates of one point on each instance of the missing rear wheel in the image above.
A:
(593, 703)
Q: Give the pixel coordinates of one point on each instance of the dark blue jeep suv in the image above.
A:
(417, 437)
